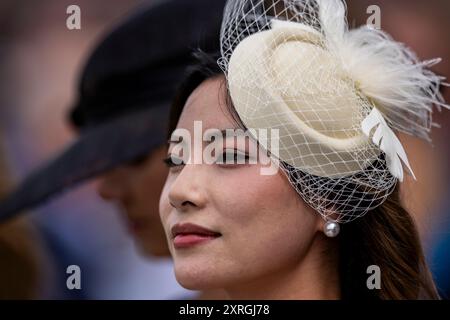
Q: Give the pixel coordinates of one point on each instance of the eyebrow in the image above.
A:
(224, 132)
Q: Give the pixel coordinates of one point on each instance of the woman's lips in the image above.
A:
(189, 240)
(188, 235)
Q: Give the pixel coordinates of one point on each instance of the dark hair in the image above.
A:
(205, 68)
(386, 236)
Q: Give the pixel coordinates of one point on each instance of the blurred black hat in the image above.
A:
(125, 94)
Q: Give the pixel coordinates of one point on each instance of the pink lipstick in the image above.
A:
(188, 235)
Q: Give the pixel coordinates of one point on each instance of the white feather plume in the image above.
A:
(333, 21)
(386, 72)
(390, 76)
(388, 142)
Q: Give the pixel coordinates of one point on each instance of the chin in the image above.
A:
(195, 277)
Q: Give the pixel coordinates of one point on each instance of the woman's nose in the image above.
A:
(188, 190)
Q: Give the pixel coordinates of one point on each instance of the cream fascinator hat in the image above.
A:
(335, 95)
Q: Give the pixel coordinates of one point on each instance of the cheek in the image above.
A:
(267, 223)
(252, 197)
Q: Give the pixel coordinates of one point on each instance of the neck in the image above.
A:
(314, 277)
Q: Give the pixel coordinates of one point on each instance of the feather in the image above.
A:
(390, 75)
(386, 72)
(388, 142)
(332, 14)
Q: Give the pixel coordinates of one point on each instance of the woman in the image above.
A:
(295, 70)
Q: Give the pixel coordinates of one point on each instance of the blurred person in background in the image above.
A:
(121, 111)
(40, 64)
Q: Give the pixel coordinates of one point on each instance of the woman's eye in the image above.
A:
(233, 157)
(173, 161)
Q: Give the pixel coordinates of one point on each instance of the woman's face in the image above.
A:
(261, 226)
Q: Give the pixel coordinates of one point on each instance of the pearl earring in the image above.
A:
(331, 229)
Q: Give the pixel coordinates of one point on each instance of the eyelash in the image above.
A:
(171, 164)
